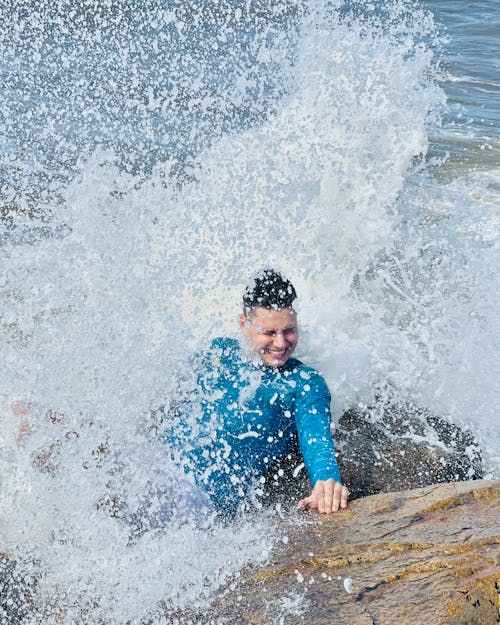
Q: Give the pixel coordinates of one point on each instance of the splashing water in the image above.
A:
(154, 157)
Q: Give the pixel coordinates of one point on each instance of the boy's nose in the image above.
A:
(279, 340)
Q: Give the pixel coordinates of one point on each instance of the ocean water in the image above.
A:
(154, 155)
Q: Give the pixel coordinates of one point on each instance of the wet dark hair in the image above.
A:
(269, 289)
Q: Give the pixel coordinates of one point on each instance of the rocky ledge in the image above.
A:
(429, 555)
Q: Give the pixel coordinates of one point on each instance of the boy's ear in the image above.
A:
(244, 323)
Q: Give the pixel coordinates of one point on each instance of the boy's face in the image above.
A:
(272, 334)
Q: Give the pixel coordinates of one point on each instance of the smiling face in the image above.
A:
(272, 334)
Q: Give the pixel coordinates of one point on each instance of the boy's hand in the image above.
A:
(327, 496)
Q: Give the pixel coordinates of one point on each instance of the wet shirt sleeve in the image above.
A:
(313, 419)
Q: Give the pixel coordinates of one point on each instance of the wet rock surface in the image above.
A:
(403, 448)
(406, 558)
(427, 555)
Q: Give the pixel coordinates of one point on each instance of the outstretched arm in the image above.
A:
(316, 444)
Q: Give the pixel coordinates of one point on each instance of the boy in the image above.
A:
(252, 401)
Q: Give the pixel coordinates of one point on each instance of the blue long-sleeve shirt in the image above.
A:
(243, 416)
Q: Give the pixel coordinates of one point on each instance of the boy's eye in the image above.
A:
(287, 331)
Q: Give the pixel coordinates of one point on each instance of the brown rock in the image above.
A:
(420, 557)
(429, 555)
